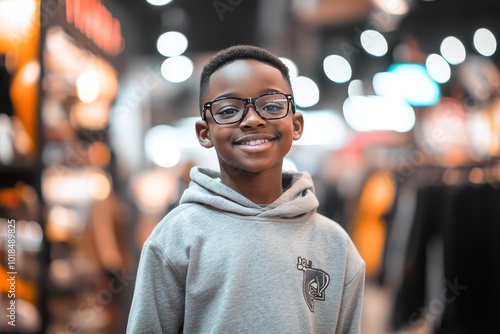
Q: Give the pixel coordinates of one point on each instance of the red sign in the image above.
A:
(97, 23)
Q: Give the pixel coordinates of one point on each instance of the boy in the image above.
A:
(246, 252)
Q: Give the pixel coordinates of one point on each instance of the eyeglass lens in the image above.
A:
(232, 110)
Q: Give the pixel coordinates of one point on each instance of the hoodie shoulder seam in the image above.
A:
(155, 245)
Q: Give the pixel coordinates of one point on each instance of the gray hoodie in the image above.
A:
(219, 263)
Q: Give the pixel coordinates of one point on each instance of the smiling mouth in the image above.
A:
(254, 142)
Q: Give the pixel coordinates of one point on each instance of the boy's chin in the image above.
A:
(234, 168)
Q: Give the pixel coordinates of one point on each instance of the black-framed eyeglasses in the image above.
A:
(230, 110)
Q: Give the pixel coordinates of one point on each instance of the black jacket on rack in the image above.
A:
(464, 220)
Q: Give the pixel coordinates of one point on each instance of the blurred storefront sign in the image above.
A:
(96, 22)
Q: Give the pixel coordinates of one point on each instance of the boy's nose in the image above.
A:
(252, 118)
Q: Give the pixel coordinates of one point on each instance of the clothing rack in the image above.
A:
(442, 251)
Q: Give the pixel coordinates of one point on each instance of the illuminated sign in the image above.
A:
(93, 20)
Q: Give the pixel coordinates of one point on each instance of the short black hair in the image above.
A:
(238, 52)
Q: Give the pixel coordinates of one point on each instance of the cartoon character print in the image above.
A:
(314, 282)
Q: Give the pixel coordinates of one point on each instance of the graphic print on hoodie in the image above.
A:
(314, 283)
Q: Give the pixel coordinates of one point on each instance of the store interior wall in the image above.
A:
(96, 145)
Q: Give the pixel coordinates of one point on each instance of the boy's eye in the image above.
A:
(274, 107)
(227, 112)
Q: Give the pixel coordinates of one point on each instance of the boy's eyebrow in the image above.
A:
(264, 91)
(225, 95)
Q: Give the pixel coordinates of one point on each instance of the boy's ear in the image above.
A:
(203, 134)
(298, 125)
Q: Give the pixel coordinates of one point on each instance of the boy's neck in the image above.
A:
(260, 188)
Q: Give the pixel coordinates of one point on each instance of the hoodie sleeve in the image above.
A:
(158, 301)
(349, 321)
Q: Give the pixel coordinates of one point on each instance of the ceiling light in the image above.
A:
(159, 2)
(438, 68)
(374, 43)
(293, 71)
(453, 50)
(171, 44)
(306, 92)
(485, 42)
(177, 69)
(337, 68)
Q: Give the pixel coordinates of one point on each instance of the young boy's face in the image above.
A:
(254, 144)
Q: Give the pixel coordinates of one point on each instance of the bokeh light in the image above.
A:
(374, 43)
(485, 42)
(306, 91)
(177, 69)
(337, 68)
(453, 50)
(438, 68)
(172, 43)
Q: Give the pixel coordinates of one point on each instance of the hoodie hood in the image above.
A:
(207, 189)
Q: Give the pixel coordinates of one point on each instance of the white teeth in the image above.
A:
(255, 142)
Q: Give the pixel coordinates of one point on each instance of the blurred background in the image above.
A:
(98, 100)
